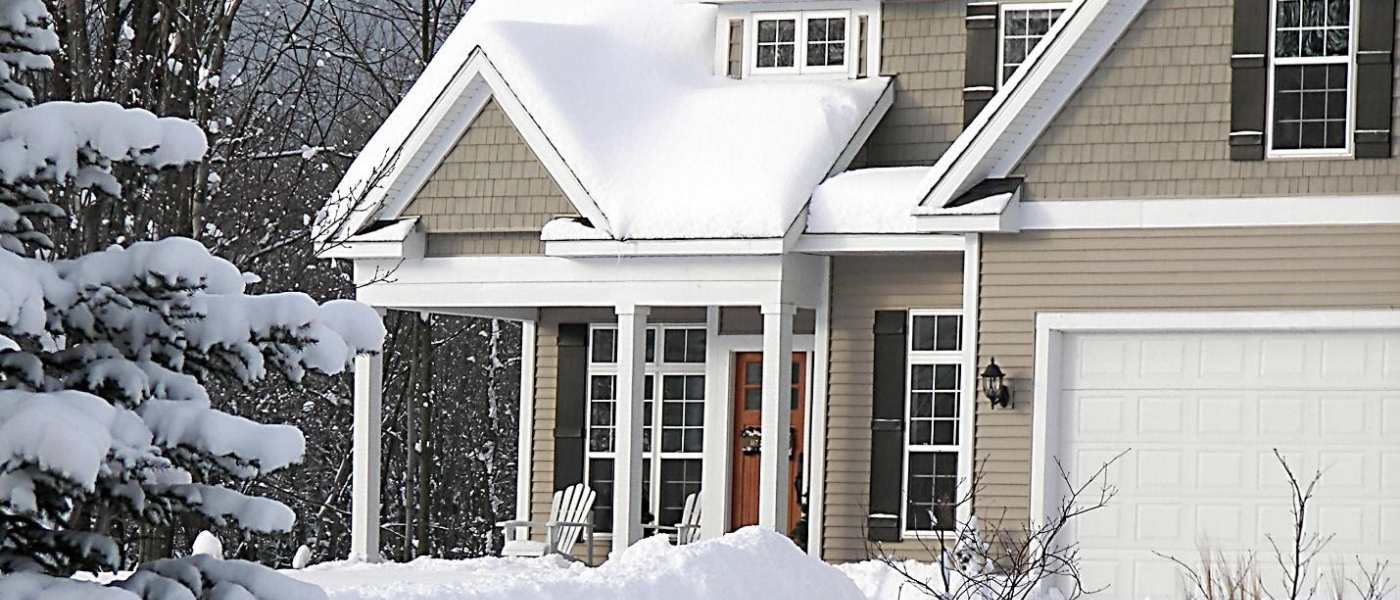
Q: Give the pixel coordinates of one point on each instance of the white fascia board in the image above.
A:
(867, 126)
(1006, 222)
(877, 243)
(1211, 212)
(410, 247)
(1013, 120)
(544, 281)
(437, 132)
(638, 248)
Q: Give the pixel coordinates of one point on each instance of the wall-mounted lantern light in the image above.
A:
(994, 386)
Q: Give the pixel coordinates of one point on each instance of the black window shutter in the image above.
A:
(887, 426)
(1374, 57)
(572, 409)
(981, 78)
(1249, 80)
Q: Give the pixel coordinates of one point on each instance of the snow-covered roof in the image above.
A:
(623, 91)
(867, 201)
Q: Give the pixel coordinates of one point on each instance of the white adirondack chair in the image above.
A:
(569, 515)
(688, 529)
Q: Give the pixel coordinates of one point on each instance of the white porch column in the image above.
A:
(773, 488)
(627, 471)
(364, 501)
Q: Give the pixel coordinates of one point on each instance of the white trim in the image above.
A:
(1051, 327)
(843, 243)
(411, 247)
(818, 367)
(867, 127)
(677, 247)
(751, 67)
(1275, 61)
(1001, 29)
(525, 445)
(1381, 209)
(996, 140)
(967, 405)
(848, 56)
(540, 281)
(972, 284)
(846, 69)
(449, 114)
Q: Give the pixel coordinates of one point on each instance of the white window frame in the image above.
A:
(1272, 62)
(799, 19)
(797, 40)
(847, 57)
(656, 369)
(967, 403)
(1001, 31)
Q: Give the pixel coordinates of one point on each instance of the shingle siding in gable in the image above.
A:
(490, 196)
(923, 47)
(1153, 121)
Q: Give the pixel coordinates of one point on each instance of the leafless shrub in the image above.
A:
(1218, 577)
(1214, 579)
(1022, 557)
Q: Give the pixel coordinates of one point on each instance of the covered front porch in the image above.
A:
(649, 379)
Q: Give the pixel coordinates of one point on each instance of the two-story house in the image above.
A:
(1173, 224)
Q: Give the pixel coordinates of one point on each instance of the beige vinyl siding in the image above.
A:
(922, 45)
(1153, 121)
(859, 287)
(1178, 269)
(490, 196)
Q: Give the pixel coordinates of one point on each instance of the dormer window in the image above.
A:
(777, 42)
(800, 42)
(826, 41)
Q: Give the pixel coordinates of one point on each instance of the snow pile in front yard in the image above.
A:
(750, 563)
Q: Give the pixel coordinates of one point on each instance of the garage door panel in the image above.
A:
(1261, 361)
(1203, 414)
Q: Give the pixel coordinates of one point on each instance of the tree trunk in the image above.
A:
(410, 432)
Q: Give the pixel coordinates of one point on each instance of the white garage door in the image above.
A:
(1202, 413)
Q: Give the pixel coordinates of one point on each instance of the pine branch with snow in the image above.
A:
(105, 358)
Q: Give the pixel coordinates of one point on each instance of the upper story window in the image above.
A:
(1023, 26)
(1311, 77)
(800, 42)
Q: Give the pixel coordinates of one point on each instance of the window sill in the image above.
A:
(928, 536)
(1274, 156)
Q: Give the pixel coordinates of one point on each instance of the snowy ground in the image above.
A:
(748, 564)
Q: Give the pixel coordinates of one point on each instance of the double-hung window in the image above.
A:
(1311, 77)
(672, 451)
(934, 412)
(801, 42)
(1023, 26)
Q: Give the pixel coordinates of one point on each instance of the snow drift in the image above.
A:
(750, 563)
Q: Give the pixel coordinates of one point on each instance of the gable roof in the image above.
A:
(619, 100)
(996, 140)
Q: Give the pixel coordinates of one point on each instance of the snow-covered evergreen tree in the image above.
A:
(104, 358)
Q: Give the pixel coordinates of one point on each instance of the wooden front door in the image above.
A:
(748, 421)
